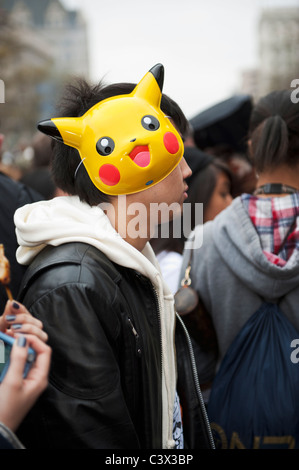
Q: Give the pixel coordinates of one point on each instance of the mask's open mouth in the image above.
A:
(141, 155)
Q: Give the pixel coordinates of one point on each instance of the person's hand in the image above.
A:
(18, 395)
(17, 319)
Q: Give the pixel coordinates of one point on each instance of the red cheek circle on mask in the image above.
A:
(109, 174)
(171, 142)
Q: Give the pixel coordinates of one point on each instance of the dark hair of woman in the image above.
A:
(274, 131)
(78, 98)
(203, 185)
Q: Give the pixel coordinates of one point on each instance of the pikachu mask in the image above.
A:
(125, 142)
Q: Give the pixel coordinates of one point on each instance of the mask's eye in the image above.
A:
(150, 123)
(105, 146)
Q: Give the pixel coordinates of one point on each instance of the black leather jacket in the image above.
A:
(105, 380)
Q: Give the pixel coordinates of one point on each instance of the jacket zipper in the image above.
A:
(159, 325)
(148, 282)
(196, 382)
(136, 335)
(170, 418)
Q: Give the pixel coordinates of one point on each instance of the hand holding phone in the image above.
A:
(6, 344)
(22, 383)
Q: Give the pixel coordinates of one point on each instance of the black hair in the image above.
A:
(77, 99)
(274, 131)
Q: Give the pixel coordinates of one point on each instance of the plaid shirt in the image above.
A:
(276, 221)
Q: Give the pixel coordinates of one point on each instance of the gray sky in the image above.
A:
(204, 45)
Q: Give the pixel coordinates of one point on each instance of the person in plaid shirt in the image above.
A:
(275, 219)
(250, 252)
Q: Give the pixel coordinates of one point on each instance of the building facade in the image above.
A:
(278, 52)
(42, 46)
(63, 33)
(278, 48)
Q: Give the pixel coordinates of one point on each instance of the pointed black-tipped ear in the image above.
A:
(48, 127)
(158, 72)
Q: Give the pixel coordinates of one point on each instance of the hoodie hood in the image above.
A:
(66, 219)
(238, 244)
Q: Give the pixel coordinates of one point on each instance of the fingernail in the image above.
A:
(15, 305)
(17, 326)
(21, 341)
(10, 317)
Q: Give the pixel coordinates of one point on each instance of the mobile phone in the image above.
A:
(6, 343)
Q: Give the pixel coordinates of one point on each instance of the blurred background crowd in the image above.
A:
(204, 47)
(43, 43)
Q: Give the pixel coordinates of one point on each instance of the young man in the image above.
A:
(93, 279)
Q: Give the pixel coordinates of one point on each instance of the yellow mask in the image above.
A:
(125, 142)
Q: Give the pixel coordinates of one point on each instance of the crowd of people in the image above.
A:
(97, 288)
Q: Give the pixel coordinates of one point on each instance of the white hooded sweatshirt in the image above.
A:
(66, 219)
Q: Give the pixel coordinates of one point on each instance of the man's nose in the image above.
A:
(186, 170)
